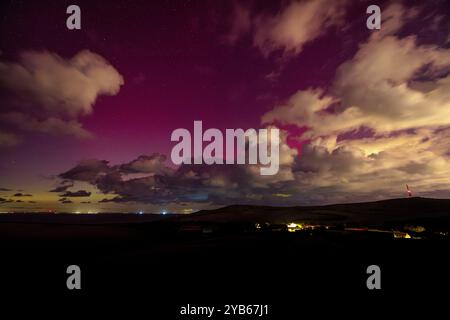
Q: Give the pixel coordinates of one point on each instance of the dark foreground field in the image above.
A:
(159, 265)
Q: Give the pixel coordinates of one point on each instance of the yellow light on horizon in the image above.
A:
(292, 226)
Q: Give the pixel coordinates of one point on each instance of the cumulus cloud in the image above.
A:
(65, 201)
(22, 195)
(328, 170)
(379, 88)
(51, 125)
(44, 92)
(373, 167)
(79, 193)
(87, 171)
(159, 182)
(147, 164)
(384, 121)
(296, 24)
(391, 83)
(63, 186)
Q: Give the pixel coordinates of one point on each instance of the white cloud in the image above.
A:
(398, 92)
(296, 24)
(377, 89)
(50, 125)
(49, 92)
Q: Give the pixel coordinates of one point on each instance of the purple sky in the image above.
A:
(225, 63)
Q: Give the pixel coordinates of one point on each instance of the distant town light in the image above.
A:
(404, 235)
(292, 227)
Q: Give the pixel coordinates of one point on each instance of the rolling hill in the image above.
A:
(376, 212)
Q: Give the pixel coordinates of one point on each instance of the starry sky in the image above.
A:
(86, 115)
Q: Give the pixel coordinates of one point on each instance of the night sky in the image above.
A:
(86, 115)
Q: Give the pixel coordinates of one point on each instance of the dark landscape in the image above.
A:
(159, 157)
(232, 253)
